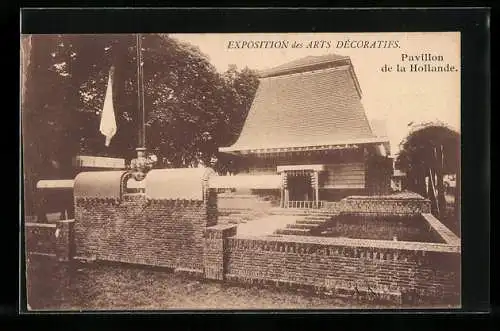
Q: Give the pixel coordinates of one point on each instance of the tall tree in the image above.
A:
(241, 88)
(431, 150)
(191, 108)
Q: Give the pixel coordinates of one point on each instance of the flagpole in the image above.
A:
(141, 148)
(142, 164)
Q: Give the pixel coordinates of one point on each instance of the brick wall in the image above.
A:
(135, 229)
(371, 269)
(40, 238)
(383, 205)
(215, 250)
(50, 239)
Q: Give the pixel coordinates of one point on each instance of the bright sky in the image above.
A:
(399, 98)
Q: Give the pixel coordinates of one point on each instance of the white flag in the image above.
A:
(108, 121)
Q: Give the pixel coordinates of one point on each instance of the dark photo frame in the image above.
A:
(473, 26)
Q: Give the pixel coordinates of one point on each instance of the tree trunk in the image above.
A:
(435, 196)
(441, 196)
(440, 185)
(28, 162)
(25, 61)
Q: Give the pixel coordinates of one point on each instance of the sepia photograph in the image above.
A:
(241, 171)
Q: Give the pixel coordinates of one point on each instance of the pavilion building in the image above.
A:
(307, 138)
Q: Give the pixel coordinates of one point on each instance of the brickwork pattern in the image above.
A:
(215, 250)
(166, 233)
(374, 226)
(383, 206)
(395, 272)
(40, 238)
(50, 239)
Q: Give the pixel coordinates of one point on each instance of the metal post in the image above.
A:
(316, 186)
(141, 165)
(140, 98)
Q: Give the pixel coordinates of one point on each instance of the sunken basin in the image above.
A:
(379, 227)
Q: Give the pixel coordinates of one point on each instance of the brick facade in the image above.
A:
(398, 274)
(165, 233)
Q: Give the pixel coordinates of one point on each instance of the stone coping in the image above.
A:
(391, 197)
(221, 227)
(237, 196)
(452, 242)
(41, 225)
(448, 236)
(349, 242)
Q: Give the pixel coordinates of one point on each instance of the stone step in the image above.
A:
(238, 196)
(239, 217)
(298, 211)
(301, 226)
(234, 210)
(297, 232)
(224, 214)
(227, 218)
(318, 217)
(309, 221)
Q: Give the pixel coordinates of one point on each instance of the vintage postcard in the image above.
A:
(242, 171)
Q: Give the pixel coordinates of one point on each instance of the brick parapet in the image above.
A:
(346, 265)
(40, 238)
(159, 232)
(383, 205)
(448, 236)
(54, 239)
(215, 250)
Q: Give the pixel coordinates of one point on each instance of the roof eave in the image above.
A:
(347, 144)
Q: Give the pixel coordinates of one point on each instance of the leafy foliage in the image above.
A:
(433, 150)
(191, 108)
(417, 148)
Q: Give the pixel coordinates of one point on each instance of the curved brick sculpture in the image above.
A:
(99, 185)
(177, 184)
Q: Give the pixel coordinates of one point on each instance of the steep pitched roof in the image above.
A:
(307, 63)
(310, 108)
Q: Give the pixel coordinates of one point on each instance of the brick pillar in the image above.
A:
(214, 250)
(64, 240)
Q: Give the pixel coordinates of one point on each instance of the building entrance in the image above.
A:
(300, 187)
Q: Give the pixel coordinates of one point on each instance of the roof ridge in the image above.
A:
(309, 72)
(302, 63)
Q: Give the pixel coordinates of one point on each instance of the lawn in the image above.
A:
(54, 286)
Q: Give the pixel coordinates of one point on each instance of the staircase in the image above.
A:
(302, 211)
(311, 221)
(238, 216)
(241, 208)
